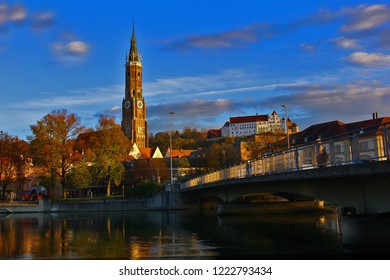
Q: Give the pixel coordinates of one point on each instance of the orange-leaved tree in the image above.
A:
(52, 144)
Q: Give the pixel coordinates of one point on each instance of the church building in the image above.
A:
(134, 124)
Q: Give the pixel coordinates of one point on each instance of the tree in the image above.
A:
(160, 169)
(270, 142)
(81, 176)
(188, 139)
(110, 147)
(14, 159)
(52, 144)
(155, 170)
(222, 156)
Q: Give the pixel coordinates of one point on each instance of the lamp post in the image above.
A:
(170, 146)
(288, 140)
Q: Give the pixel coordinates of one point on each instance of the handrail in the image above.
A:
(354, 147)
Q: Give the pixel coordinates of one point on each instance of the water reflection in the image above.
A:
(165, 235)
(115, 235)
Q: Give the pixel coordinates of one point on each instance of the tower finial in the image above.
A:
(133, 54)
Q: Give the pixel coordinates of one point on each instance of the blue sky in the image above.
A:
(206, 60)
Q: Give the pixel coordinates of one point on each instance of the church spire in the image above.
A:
(133, 53)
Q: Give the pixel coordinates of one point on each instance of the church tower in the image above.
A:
(134, 124)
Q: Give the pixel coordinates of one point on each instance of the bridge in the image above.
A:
(349, 170)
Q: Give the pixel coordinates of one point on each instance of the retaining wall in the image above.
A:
(161, 201)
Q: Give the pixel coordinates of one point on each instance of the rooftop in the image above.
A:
(249, 119)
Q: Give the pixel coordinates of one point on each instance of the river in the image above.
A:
(187, 235)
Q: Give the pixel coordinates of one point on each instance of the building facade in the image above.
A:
(345, 142)
(257, 124)
(134, 124)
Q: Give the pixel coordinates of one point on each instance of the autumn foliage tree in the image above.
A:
(52, 144)
(14, 159)
(109, 147)
(222, 156)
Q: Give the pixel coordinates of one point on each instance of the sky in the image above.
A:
(204, 60)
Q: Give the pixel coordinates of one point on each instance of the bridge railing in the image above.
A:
(359, 146)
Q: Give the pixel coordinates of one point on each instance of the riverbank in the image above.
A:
(161, 201)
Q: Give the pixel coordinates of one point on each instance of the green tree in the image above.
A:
(110, 147)
(143, 188)
(81, 176)
(52, 144)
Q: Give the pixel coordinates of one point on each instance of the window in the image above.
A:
(363, 146)
(337, 148)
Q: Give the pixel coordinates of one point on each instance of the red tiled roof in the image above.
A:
(212, 133)
(248, 119)
(147, 152)
(334, 128)
(202, 135)
(181, 153)
(367, 123)
(130, 158)
(322, 130)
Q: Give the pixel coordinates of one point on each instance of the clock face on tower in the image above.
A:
(140, 104)
(127, 104)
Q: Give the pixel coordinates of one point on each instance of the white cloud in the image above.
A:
(113, 110)
(195, 84)
(327, 102)
(43, 20)
(229, 39)
(77, 48)
(71, 52)
(73, 98)
(10, 14)
(194, 109)
(18, 13)
(364, 17)
(308, 47)
(369, 59)
(346, 43)
(219, 85)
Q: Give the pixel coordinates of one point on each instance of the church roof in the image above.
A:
(133, 53)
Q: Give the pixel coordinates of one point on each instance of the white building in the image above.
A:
(251, 125)
(274, 123)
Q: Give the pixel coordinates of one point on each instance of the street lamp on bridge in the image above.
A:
(170, 145)
(286, 125)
